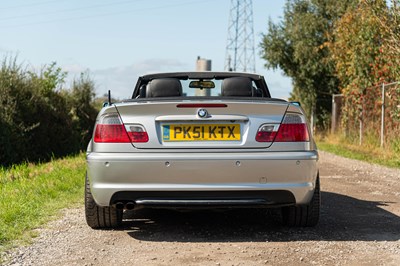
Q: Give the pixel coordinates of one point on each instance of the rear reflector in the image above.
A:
(110, 129)
(292, 129)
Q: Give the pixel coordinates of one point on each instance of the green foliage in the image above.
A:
(82, 109)
(351, 47)
(343, 146)
(39, 119)
(396, 146)
(299, 45)
(366, 51)
(32, 194)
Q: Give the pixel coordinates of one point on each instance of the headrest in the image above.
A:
(164, 87)
(237, 86)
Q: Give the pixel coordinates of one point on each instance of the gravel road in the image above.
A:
(359, 225)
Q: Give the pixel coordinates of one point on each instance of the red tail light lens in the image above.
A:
(110, 129)
(138, 134)
(267, 133)
(292, 133)
(111, 134)
(292, 129)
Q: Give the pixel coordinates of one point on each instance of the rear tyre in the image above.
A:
(305, 215)
(100, 217)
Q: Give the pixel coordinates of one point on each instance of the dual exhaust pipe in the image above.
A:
(128, 205)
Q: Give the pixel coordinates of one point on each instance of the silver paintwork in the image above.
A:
(244, 165)
(112, 172)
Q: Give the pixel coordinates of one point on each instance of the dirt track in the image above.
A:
(360, 225)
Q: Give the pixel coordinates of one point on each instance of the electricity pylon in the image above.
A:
(240, 43)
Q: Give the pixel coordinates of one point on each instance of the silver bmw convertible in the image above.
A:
(201, 140)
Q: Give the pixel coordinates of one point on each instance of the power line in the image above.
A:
(67, 10)
(106, 14)
(29, 5)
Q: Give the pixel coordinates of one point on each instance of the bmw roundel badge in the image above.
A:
(202, 113)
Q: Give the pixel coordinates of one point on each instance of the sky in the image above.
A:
(117, 41)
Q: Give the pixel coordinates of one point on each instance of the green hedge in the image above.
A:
(39, 118)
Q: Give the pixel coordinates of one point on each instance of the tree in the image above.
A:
(366, 52)
(299, 45)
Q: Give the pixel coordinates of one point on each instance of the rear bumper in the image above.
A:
(205, 199)
(210, 179)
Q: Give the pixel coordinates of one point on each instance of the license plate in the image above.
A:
(196, 132)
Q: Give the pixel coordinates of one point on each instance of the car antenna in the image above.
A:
(109, 97)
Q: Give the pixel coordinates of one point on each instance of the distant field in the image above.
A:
(33, 194)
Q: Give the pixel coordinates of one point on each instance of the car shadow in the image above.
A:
(343, 218)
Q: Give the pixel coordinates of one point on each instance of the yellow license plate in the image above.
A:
(205, 132)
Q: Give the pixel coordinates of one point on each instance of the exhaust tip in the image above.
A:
(119, 206)
(130, 205)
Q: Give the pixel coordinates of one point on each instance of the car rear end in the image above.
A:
(209, 153)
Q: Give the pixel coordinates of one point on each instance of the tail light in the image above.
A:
(110, 129)
(292, 129)
(137, 134)
(267, 132)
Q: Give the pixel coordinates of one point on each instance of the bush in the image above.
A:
(81, 106)
(38, 118)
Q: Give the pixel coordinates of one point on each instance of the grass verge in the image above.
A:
(31, 195)
(367, 152)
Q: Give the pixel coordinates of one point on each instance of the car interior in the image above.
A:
(172, 87)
